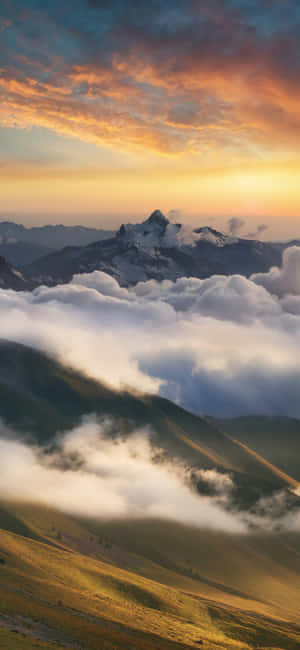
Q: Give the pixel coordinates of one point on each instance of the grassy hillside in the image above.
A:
(41, 397)
(276, 438)
(77, 584)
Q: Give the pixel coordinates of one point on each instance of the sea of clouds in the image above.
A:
(222, 346)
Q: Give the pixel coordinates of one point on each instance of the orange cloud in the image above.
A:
(207, 106)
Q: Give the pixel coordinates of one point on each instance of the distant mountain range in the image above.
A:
(161, 250)
(21, 245)
(155, 248)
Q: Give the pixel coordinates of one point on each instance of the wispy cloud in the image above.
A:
(198, 77)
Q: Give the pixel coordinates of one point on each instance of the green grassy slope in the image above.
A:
(72, 583)
(79, 584)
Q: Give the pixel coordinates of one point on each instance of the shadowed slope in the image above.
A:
(41, 397)
(276, 438)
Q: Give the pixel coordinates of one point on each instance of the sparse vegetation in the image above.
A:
(66, 582)
(159, 600)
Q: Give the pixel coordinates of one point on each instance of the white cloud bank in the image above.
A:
(286, 280)
(93, 475)
(221, 346)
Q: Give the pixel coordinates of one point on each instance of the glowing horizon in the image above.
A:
(114, 109)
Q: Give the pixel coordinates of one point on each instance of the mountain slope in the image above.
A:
(86, 583)
(66, 582)
(157, 249)
(41, 397)
(21, 253)
(10, 278)
(275, 438)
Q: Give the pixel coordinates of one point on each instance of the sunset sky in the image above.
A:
(112, 108)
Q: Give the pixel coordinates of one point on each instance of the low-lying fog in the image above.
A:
(94, 474)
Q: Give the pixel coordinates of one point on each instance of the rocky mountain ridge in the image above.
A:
(158, 249)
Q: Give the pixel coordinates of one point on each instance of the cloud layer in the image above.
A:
(188, 77)
(221, 346)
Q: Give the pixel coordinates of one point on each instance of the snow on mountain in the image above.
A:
(148, 235)
(158, 231)
(158, 249)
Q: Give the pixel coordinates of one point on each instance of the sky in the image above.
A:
(110, 109)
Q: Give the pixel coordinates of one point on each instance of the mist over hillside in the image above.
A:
(149, 447)
(144, 510)
(149, 367)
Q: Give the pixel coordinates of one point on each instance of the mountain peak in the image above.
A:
(157, 217)
(149, 232)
